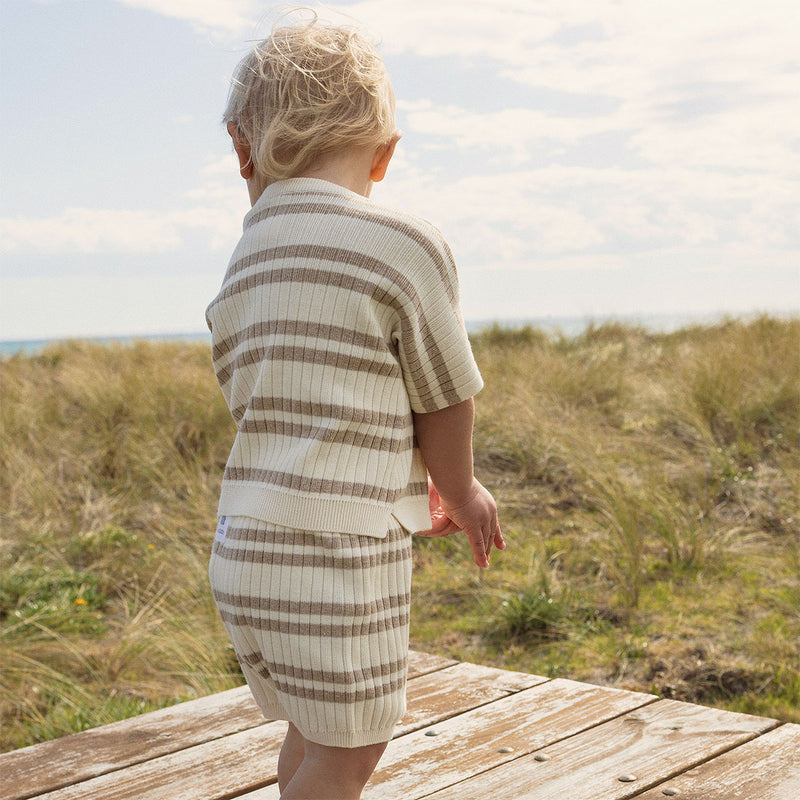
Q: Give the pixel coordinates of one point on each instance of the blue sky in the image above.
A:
(583, 158)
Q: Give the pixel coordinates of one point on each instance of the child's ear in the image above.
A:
(383, 155)
(242, 148)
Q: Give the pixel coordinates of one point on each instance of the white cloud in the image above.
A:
(225, 16)
(99, 230)
(222, 166)
(555, 217)
(510, 134)
(702, 110)
(211, 211)
(689, 159)
(710, 84)
(503, 217)
(504, 30)
(89, 230)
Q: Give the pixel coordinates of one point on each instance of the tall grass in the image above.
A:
(109, 472)
(648, 487)
(660, 473)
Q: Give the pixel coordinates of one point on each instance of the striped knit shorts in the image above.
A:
(319, 623)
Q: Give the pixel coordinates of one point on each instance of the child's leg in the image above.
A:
(338, 773)
(291, 756)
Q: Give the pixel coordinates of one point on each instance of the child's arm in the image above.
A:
(445, 439)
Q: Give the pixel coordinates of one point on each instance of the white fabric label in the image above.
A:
(222, 529)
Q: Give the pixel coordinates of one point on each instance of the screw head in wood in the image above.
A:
(627, 778)
(541, 757)
(431, 733)
(670, 792)
(506, 750)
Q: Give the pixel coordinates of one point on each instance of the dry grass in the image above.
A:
(649, 488)
(110, 468)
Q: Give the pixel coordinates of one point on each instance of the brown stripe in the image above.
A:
(371, 215)
(334, 543)
(366, 627)
(282, 605)
(321, 433)
(309, 560)
(308, 355)
(314, 409)
(340, 695)
(326, 694)
(287, 327)
(305, 483)
(321, 277)
(360, 674)
(333, 546)
(269, 274)
(354, 695)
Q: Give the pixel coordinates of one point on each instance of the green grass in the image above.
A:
(648, 484)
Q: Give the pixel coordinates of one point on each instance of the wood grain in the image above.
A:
(60, 762)
(650, 745)
(449, 691)
(767, 768)
(502, 731)
(422, 663)
(207, 771)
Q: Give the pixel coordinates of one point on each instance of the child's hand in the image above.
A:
(477, 517)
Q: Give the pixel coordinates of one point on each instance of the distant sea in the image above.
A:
(567, 326)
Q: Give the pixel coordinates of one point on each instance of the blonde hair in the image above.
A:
(306, 91)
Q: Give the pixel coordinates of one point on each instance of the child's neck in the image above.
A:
(348, 168)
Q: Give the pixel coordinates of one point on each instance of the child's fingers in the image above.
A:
(441, 526)
(434, 501)
(479, 549)
(499, 541)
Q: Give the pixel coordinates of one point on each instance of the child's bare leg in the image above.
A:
(333, 773)
(292, 753)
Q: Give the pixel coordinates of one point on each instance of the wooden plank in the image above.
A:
(208, 771)
(420, 663)
(60, 762)
(247, 760)
(767, 768)
(650, 745)
(119, 744)
(479, 740)
(450, 691)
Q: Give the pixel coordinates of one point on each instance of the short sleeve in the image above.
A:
(439, 369)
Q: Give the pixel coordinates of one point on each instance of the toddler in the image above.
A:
(339, 347)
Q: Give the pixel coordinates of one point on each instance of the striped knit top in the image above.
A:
(336, 319)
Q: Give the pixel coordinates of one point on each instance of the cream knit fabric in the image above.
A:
(336, 318)
(320, 625)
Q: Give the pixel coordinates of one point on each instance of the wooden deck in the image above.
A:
(470, 732)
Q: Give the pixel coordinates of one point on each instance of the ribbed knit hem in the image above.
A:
(304, 512)
(347, 739)
(350, 739)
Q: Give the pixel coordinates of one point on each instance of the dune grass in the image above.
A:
(649, 487)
